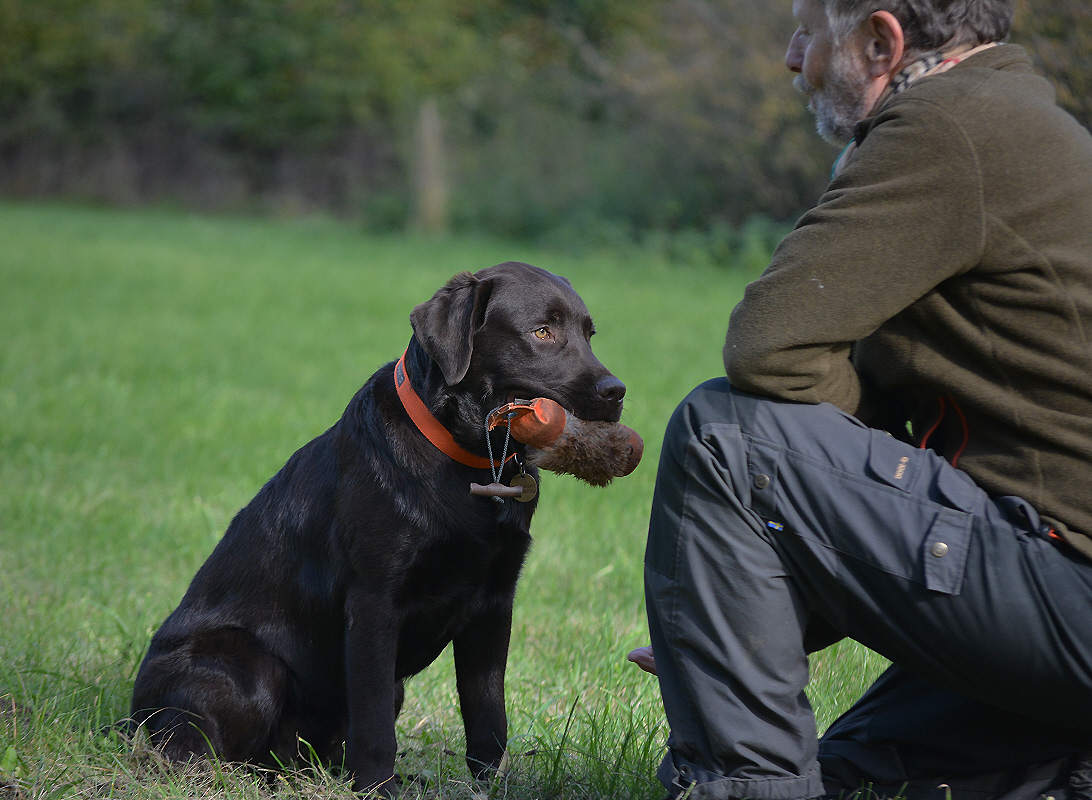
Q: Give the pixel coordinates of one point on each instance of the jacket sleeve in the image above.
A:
(904, 215)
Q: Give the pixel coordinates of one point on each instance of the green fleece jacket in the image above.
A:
(942, 287)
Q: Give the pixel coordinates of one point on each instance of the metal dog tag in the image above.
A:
(529, 484)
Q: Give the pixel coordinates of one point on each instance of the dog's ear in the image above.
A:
(446, 324)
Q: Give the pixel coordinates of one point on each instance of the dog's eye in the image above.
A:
(542, 333)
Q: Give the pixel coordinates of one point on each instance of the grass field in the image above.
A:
(157, 368)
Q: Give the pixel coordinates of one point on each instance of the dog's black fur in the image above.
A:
(360, 560)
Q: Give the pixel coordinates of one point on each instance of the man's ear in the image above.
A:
(884, 45)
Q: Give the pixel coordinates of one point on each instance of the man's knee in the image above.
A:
(717, 402)
(709, 402)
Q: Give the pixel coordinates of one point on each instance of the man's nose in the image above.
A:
(794, 56)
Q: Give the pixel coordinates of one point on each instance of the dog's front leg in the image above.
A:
(371, 691)
(481, 653)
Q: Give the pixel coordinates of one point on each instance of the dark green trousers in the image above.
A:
(779, 528)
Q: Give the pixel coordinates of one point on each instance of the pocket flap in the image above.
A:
(945, 551)
(959, 489)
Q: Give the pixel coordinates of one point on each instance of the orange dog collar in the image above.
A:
(435, 432)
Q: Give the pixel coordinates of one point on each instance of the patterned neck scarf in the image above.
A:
(932, 63)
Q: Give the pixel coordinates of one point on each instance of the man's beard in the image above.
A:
(841, 103)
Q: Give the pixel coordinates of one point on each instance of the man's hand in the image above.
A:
(643, 658)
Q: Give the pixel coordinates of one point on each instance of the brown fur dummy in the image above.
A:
(596, 452)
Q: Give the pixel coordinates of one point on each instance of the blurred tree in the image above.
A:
(1059, 35)
(430, 179)
(716, 79)
(684, 118)
(604, 117)
(60, 61)
(267, 74)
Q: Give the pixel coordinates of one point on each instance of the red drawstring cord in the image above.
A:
(966, 432)
(928, 433)
(1051, 533)
(935, 425)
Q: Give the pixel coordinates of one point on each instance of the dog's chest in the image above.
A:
(452, 581)
(454, 570)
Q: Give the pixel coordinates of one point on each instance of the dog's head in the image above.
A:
(515, 330)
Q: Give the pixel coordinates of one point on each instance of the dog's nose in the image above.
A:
(611, 389)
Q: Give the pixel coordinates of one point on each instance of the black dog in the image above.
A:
(366, 554)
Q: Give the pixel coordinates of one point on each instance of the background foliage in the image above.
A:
(597, 120)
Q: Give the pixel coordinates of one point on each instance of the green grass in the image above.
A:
(157, 368)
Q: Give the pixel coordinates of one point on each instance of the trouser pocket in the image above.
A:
(905, 511)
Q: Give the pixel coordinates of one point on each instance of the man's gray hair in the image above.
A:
(928, 24)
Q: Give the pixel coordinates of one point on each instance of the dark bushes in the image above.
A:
(569, 120)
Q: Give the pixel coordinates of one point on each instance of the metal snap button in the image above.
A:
(940, 549)
(762, 481)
